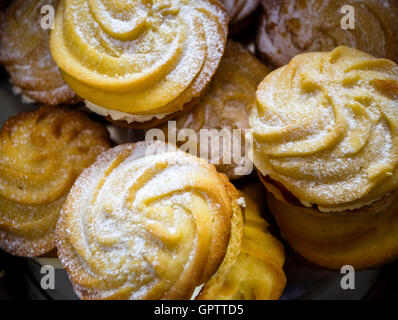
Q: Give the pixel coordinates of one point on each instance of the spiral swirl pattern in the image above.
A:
(146, 221)
(139, 56)
(41, 154)
(291, 27)
(326, 126)
(25, 53)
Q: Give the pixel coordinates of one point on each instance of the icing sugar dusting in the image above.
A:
(134, 219)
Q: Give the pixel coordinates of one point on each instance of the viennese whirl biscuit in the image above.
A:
(42, 152)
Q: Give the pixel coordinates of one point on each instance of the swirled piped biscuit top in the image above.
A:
(25, 53)
(239, 10)
(145, 221)
(291, 27)
(139, 57)
(325, 127)
(42, 152)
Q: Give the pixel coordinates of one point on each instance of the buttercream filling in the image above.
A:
(123, 116)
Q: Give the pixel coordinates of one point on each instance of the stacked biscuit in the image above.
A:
(147, 220)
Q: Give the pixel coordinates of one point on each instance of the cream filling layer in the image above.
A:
(265, 171)
(123, 116)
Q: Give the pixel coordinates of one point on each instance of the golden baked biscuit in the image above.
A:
(145, 221)
(25, 53)
(147, 124)
(225, 106)
(3, 4)
(325, 127)
(238, 10)
(252, 268)
(41, 154)
(363, 238)
(139, 60)
(291, 27)
(326, 147)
